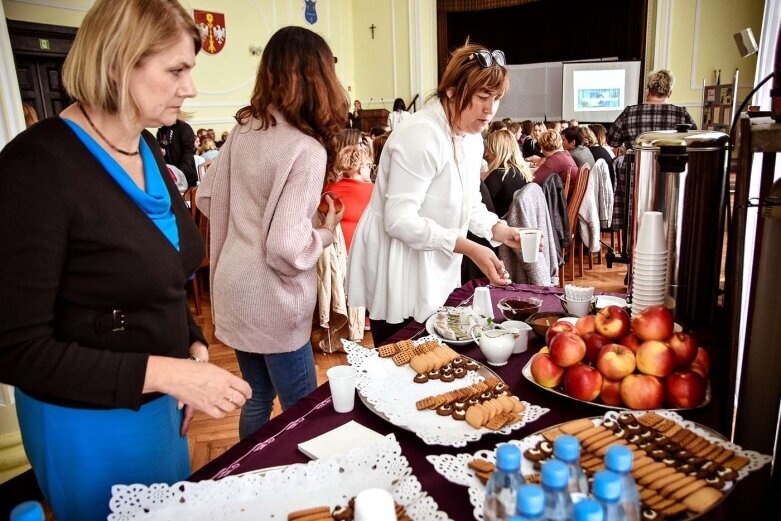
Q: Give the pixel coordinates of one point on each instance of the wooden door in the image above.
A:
(40, 84)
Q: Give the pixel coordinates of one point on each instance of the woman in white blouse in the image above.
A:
(406, 253)
(398, 115)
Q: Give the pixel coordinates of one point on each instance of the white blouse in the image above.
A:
(396, 117)
(427, 193)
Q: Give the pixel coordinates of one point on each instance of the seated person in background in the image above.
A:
(557, 160)
(655, 114)
(573, 123)
(177, 141)
(573, 143)
(30, 115)
(508, 122)
(496, 125)
(223, 139)
(515, 130)
(208, 149)
(526, 130)
(399, 113)
(531, 146)
(350, 179)
(378, 144)
(600, 133)
(599, 152)
(563, 125)
(379, 130)
(200, 134)
(553, 125)
(507, 170)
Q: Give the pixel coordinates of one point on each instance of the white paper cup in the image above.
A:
(522, 338)
(530, 245)
(650, 236)
(481, 302)
(374, 504)
(341, 380)
(578, 308)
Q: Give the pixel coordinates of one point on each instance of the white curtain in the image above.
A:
(11, 116)
(767, 45)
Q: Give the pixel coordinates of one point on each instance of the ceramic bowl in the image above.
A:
(540, 322)
(519, 308)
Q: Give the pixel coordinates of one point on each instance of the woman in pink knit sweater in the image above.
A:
(261, 196)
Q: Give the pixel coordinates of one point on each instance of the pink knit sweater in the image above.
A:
(261, 196)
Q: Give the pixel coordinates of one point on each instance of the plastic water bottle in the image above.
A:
(607, 490)
(531, 503)
(567, 450)
(502, 488)
(588, 510)
(27, 511)
(619, 459)
(558, 503)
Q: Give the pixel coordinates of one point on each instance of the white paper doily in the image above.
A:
(455, 468)
(274, 494)
(390, 390)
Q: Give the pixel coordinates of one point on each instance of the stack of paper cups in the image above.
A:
(649, 276)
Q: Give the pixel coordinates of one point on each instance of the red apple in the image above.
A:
(655, 358)
(615, 361)
(611, 392)
(558, 327)
(653, 323)
(567, 349)
(685, 348)
(586, 325)
(545, 372)
(684, 389)
(612, 322)
(631, 341)
(583, 382)
(323, 206)
(594, 342)
(642, 391)
(702, 359)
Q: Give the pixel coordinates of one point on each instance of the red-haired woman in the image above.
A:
(261, 196)
(406, 253)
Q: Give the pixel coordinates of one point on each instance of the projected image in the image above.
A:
(598, 99)
(597, 90)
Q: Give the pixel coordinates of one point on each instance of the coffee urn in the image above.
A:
(682, 175)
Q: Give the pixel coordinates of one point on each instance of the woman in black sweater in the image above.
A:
(95, 330)
(507, 170)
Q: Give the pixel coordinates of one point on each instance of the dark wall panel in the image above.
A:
(550, 30)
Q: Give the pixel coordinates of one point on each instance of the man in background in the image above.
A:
(178, 145)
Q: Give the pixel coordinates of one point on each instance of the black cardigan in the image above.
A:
(76, 248)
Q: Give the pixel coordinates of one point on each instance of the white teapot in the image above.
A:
(496, 344)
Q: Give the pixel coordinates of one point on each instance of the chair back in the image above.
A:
(201, 222)
(575, 199)
(570, 173)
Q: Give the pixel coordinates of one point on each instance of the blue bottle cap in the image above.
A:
(588, 510)
(531, 500)
(27, 511)
(607, 486)
(555, 474)
(618, 458)
(566, 448)
(508, 458)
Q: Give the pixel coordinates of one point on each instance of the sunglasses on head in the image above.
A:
(489, 58)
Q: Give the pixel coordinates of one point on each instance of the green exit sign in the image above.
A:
(43, 43)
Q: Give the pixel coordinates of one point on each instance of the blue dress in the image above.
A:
(78, 454)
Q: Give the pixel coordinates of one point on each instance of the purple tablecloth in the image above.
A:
(276, 442)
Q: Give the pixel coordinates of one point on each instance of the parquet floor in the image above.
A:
(209, 438)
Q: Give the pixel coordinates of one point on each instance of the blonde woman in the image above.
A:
(557, 160)
(508, 171)
(656, 113)
(208, 149)
(350, 179)
(95, 331)
(531, 146)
